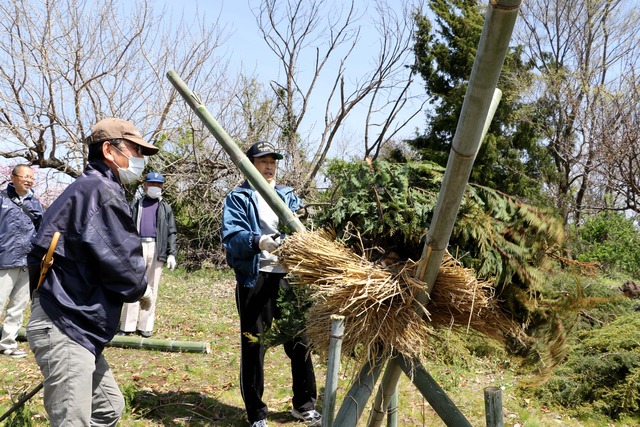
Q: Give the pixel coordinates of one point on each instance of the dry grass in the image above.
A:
(381, 304)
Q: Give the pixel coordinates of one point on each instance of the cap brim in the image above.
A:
(271, 153)
(147, 149)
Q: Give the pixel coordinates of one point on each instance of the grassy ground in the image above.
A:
(189, 389)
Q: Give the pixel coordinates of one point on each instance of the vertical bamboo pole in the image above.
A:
(392, 409)
(493, 406)
(480, 102)
(243, 163)
(356, 399)
(333, 369)
(384, 396)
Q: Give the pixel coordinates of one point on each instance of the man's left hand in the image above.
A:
(171, 262)
(147, 299)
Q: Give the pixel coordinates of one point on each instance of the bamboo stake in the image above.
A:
(333, 369)
(493, 407)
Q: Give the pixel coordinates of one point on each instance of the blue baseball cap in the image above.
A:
(263, 148)
(154, 177)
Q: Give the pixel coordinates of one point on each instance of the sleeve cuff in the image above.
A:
(255, 243)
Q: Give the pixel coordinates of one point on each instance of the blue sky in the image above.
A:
(250, 55)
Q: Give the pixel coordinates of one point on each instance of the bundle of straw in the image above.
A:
(380, 306)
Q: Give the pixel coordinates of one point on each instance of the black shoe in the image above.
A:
(123, 333)
(144, 334)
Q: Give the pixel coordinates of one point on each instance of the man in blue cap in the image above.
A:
(156, 224)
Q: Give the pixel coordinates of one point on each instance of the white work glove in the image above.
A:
(267, 243)
(146, 299)
(171, 262)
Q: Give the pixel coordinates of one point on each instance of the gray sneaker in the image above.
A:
(16, 353)
(261, 423)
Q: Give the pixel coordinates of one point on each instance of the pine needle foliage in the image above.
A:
(505, 241)
(391, 205)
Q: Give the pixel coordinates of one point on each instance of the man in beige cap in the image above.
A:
(98, 266)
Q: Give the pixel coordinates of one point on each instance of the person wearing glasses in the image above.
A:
(20, 214)
(97, 267)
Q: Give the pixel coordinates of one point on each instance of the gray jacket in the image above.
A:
(166, 232)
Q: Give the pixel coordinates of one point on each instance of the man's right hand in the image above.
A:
(267, 243)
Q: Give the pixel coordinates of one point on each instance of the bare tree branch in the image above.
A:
(579, 48)
(324, 36)
(64, 64)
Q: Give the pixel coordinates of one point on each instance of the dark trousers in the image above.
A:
(257, 309)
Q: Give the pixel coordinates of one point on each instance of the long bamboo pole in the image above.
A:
(480, 102)
(288, 218)
(147, 343)
(159, 344)
(392, 371)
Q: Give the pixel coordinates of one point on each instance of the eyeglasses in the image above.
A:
(24, 177)
(119, 142)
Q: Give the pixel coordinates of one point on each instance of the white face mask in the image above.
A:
(154, 192)
(133, 172)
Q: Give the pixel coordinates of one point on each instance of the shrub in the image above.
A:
(601, 371)
(611, 239)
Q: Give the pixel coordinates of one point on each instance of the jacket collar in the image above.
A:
(102, 168)
(247, 186)
(12, 193)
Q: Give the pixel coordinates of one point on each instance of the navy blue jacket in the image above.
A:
(98, 262)
(16, 228)
(241, 229)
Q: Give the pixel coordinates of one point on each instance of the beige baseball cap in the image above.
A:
(115, 128)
